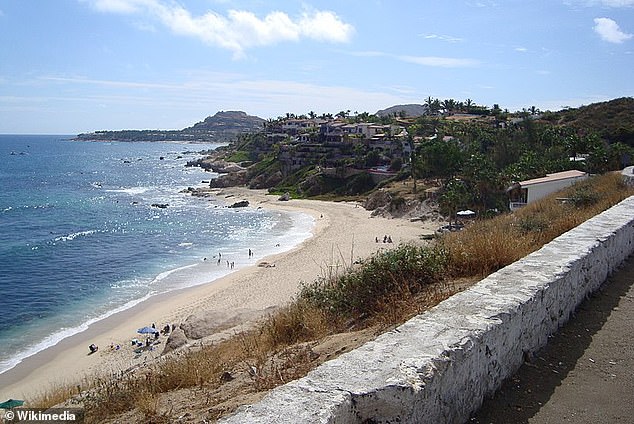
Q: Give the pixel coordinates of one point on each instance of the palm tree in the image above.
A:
(468, 104)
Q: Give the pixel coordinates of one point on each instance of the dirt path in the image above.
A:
(586, 372)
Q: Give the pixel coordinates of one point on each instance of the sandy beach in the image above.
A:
(343, 232)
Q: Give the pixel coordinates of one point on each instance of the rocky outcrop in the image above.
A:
(378, 199)
(383, 203)
(266, 181)
(240, 204)
(175, 340)
(230, 180)
(215, 165)
(205, 324)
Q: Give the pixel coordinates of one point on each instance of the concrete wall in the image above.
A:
(438, 366)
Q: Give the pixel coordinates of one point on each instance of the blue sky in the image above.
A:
(70, 66)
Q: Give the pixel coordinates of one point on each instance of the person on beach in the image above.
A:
(93, 348)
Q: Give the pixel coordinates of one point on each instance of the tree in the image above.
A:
(598, 157)
(454, 196)
(438, 158)
(481, 176)
(468, 104)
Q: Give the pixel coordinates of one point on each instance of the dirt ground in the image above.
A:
(586, 372)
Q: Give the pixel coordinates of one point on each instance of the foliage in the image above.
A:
(454, 196)
(361, 291)
(239, 156)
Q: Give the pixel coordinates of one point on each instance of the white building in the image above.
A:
(528, 191)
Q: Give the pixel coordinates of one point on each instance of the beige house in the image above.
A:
(525, 192)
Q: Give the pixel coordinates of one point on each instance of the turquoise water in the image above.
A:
(80, 239)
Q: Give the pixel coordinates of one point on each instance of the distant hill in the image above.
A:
(230, 121)
(221, 127)
(412, 110)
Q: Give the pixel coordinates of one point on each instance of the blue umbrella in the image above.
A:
(11, 403)
(147, 330)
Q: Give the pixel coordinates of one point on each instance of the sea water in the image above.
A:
(80, 238)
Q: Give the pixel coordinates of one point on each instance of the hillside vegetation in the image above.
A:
(468, 154)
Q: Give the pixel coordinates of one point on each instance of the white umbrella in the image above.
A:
(468, 212)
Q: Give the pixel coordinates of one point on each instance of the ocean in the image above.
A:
(80, 239)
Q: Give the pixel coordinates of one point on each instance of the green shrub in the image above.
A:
(361, 291)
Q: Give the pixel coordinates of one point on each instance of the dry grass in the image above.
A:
(384, 291)
(484, 247)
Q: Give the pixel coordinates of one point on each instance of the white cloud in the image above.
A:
(447, 38)
(117, 6)
(201, 92)
(443, 62)
(239, 30)
(609, 31)
(617, 3)
(605, 3)
(434, 61)
(521, 49)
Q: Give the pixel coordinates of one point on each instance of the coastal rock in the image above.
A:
(285, 197)
(205, 324)
(377, 199)
(240, 204)
(160, 205)
(175, 340)
(229, 180)
(266, 180)
(215, 165)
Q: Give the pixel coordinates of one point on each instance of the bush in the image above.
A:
(361, 291)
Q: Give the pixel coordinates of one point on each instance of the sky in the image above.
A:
(71, 66)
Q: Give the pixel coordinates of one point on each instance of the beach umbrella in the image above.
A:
(11, 403)
(147, 330)
(468, 212)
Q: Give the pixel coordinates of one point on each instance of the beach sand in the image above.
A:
(343, 232)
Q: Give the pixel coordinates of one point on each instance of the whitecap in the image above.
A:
(73, 236)
(129, 190)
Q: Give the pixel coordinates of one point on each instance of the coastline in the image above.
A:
(343, 232)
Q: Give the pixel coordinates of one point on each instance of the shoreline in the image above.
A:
(342, 233)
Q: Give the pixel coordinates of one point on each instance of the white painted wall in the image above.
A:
(537, 191)
(438, 367)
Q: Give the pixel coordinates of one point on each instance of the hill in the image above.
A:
(411, 110)
(219, 128)
(612, 120)
(229, 122)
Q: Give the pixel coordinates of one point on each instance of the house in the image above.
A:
(524, 192)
